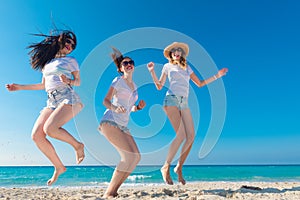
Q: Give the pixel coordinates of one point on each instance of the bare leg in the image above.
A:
(53, 127)
(190, 135)
(130, 156)
(39, 137)
(174, 116)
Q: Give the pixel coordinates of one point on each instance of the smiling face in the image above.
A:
(127, 65)
(68, 47)
(177, 53)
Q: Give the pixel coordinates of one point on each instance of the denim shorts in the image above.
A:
(65, 95)
(179, 101)
(114, 124)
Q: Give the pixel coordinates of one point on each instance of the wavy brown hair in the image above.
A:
(182, 62)
(43, 52)
(118, 58)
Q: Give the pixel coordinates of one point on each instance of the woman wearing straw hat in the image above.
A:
(176, 103)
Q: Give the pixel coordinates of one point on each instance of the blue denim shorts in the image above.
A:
(179, 101)
(114, 124)
(65, 95)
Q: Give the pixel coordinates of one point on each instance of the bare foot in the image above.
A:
(178, 171)
(110, 196)
(56, 173)
(165, 172)
(80, 153)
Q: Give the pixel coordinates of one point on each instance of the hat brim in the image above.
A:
(181, 45)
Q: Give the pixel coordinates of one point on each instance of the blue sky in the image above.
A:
(257, 40)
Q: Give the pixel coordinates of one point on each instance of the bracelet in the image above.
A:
(138, 108)
(215, 77)
(69, 81)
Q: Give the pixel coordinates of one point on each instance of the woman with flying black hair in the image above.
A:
(60, 73)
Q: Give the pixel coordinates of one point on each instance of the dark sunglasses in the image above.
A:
(125, 63)
(177, 49)
(69, 41)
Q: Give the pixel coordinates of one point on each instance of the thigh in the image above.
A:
(174, 115)
(188, 122)
(39, 123)
(62, 114)
(120, 140)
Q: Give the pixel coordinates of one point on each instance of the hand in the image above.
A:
(141, 104)
(150, 66)
(222, 72)
(64, 79)
(12, 87)
(119, 109)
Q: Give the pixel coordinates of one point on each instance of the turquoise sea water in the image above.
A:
(30, 176)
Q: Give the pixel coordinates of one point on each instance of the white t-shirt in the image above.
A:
(178, 78)
(55, 68)
(125, 97)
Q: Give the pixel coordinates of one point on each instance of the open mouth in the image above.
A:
(129, 67)
(68, 48)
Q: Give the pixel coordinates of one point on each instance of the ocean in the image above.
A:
(99, 176)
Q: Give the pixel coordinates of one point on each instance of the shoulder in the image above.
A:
(70, 59)
(117, 79)
(167, 66)
(189, 69)
(117, 82)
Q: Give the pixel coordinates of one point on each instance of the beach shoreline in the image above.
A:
(192, 191)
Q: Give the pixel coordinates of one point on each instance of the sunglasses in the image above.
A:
(177, 49)
(125, 63)
(69, 41)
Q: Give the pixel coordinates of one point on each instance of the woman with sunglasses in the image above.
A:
(60, 73)
(120, 102)
(176, 103)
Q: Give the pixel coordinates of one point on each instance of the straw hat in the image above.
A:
(184, 47)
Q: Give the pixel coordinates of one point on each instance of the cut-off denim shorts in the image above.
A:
(65, 95)
(114, 124)
(179, 101)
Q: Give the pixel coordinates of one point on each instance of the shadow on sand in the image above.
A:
(247, 189)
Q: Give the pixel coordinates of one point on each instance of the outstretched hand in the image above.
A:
(222, 72)
(12, 87)
(141, 104)
(150, 66)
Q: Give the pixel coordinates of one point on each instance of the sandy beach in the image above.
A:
(191, 191)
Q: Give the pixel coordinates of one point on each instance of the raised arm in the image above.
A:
(15, 87)
(201, 83)
(158, 83)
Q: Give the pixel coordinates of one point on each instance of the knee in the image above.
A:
(181, 137)
(37, 135)
(50, 130)
(134, 159)
(190, 138)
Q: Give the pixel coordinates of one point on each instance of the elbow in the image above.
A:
(77, 83)
(201, 84)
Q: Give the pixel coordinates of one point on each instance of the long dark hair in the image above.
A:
(43, 52)
(118, 58)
